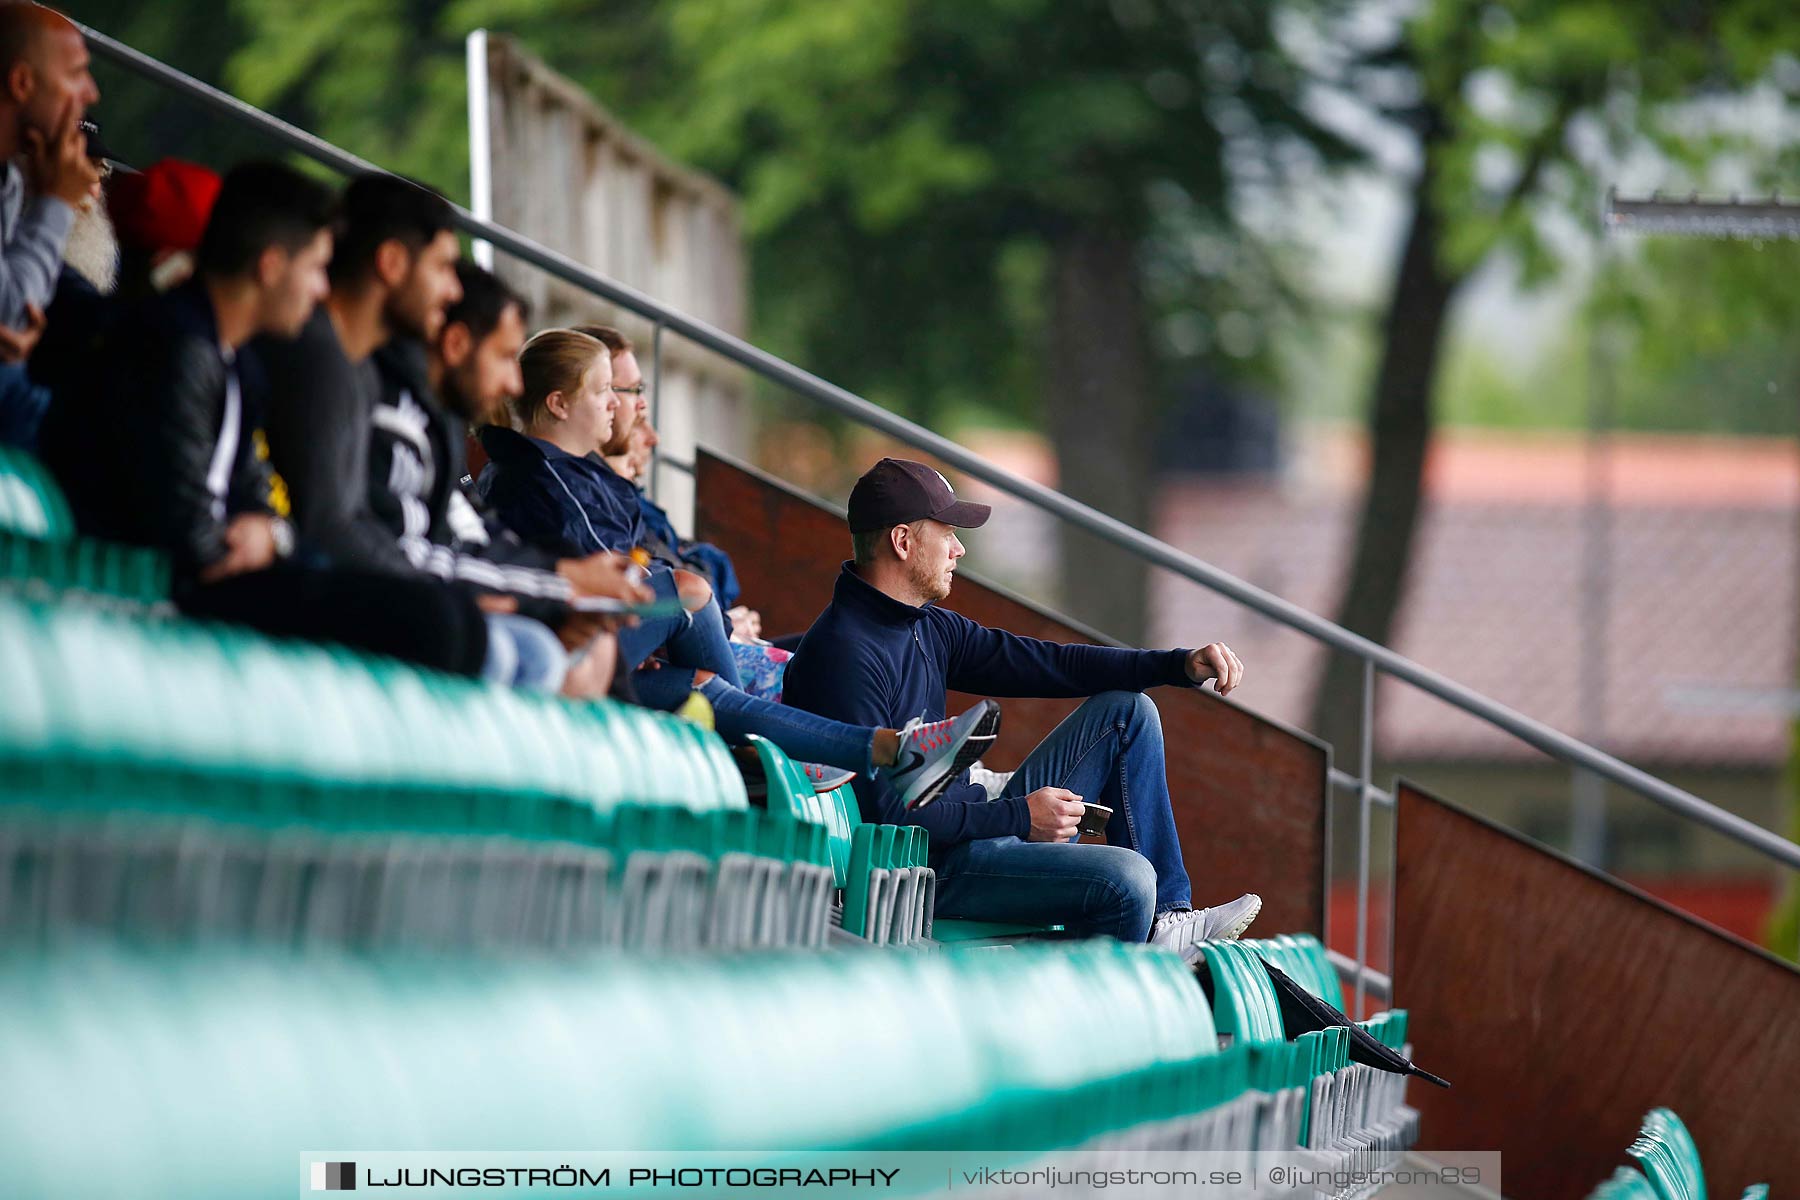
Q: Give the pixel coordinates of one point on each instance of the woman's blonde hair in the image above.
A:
(553, 361)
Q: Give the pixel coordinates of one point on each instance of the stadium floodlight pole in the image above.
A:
(481, 154)
(1107, 528)
(1767, 218)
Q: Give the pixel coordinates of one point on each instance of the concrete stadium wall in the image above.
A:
(571, 175)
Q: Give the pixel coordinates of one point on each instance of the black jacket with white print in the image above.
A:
(416, 462)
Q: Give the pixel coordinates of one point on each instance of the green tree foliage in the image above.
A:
(1520, 108)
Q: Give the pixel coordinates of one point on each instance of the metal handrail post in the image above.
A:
(481, 159)
(655, 412)
(1107, 528)
(1366, 776)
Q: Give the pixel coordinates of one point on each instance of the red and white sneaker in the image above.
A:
(826, 779)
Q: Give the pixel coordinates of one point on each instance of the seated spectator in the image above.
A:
(91, 256)
(632, 462)
(429, 398)
(168, 461)
(81, 310)
(45, 93)
(546, 487)
(883, 649)
(359, 446)
(761, 664)
(659, 536)
(160, 213)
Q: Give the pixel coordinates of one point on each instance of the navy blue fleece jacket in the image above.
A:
(871, 660)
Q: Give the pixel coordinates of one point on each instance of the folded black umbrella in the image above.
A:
(1303, 1012)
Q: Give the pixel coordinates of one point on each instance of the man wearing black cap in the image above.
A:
(883, 653)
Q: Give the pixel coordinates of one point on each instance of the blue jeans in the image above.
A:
(1109, 751)
(22, 406)
(696, 641)
(523, 653)
(802, 736)
(692, 641)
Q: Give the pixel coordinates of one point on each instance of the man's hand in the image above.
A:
(249, 546)
(493, 602)
(746, 624)
(57, 163)
(16, 345)
(1055, 814)
(608, 575)
(1215, 662)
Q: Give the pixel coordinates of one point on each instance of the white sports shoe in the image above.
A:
(1184, 929)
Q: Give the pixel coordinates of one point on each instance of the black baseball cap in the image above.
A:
(897, 491)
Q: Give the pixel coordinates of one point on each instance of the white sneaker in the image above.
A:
(991, 782)
(1184, 929)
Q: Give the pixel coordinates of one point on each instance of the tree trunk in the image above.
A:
(1399, 430)
(1097, 398)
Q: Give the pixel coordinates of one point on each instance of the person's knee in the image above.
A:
(1129, 708)
(1134, 881)
(693, 589)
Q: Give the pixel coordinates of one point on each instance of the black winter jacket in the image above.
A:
(134, 444)
(416, 464)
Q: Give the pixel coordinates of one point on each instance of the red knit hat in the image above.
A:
(163, 208)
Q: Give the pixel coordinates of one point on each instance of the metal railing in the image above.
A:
(1377, 659)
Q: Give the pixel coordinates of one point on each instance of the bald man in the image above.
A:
(45, 90)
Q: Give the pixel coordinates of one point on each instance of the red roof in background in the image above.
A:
(1702, 587)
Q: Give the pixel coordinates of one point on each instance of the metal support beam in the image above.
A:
(1694, 217)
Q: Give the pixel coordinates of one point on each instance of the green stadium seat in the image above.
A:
(1627, 1183)
(744, 1055)
(1668, 1165)
(40, 553)
(1244, 1002)
(204, 727)
(1665, 1152)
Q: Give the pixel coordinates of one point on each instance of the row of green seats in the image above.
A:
(1668, 1165)
(1245, 1006)
(108, 715)
(153, 1055)
(645, 882)
(39, 548)
(132, 574)
(881, 869)
(1346, 1107)
(652, 877)
(97, 699)
(889, 891)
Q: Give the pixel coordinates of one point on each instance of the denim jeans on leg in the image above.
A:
(523, 653)
(692, 641)
(802, 736)
(1109, 751)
